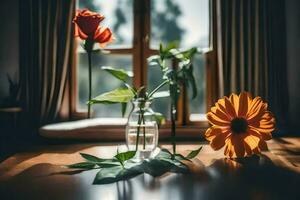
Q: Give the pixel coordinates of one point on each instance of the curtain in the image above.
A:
(46, 43)
(251, 51)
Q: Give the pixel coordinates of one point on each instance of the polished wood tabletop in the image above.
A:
(39, 173)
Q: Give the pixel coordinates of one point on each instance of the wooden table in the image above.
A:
(39, 174)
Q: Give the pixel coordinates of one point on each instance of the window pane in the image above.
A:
(198, 105)
(118, 17)
(185, 21)
(101, 81)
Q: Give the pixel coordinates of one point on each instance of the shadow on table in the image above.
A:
(255, 177)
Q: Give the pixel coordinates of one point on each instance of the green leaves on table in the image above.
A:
(194, 153)
(122, 167)
(114, 174)
(93, 162)
(122, 157)
(91, 158)
(82, 165)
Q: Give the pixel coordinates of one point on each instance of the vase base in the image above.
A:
(146, 154)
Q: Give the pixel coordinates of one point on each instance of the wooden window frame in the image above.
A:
(141, 51)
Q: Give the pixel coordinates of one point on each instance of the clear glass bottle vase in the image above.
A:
(142, 129)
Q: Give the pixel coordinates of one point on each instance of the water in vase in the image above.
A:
(148, 138)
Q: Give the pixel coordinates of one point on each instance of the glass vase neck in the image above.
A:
(141, 103)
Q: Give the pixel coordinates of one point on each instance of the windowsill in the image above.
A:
(112, 129)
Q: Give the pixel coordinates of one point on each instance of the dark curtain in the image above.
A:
(252, 53)
(46, 43)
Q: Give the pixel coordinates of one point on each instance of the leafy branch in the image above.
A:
(176, 76)
(126, 93)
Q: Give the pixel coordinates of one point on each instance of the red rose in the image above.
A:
(103, 36)
(87, 26)
(87, 23)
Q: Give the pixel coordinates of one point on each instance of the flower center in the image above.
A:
(239, 125)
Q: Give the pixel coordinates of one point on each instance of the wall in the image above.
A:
(293, 61)
(9, 44)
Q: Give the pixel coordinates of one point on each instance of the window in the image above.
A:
(139, 26)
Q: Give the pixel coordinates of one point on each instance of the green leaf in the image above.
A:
(124, 107)
(107, 175)
(172, 165)
(192, 81)
(131, 88)
(156, 167)
(107, 164)
(194, 153)
(190, 52)
(161, 94)
(91, 158)
(180, 157)
(114, 174)
(82, 165)
(119, 95)
(172, 45)
(175, 53)
(164, 153)
(159, 118)
(161, 48)
(120, 74)
(153, 60)
(122, 157)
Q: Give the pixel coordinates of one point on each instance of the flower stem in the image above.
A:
(89, 53)
(144, 132)
(173, 127)
(157, 88)
(138, 130)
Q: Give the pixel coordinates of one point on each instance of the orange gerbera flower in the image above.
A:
(241, 124)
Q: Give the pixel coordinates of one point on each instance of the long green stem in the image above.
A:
(138, 133)
(157, 88)
(144, 131)
(90, 81)
(173, 127)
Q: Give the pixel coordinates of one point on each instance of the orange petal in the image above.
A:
(252, 141)
(258, 114)
(221, 106)
(229, 149)
(220, 114)
(219, 141)
(210, 134)
(247, 149)
(243, 104)
(234, 99)
(254, 104)
(266, 124)
(238, 144)
(262, 135)
(213, 119)
(229, 108)
(262, 145)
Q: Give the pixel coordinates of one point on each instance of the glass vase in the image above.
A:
(142, 129)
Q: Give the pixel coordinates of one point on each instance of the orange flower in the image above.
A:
(241, 124)
(87, 27)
